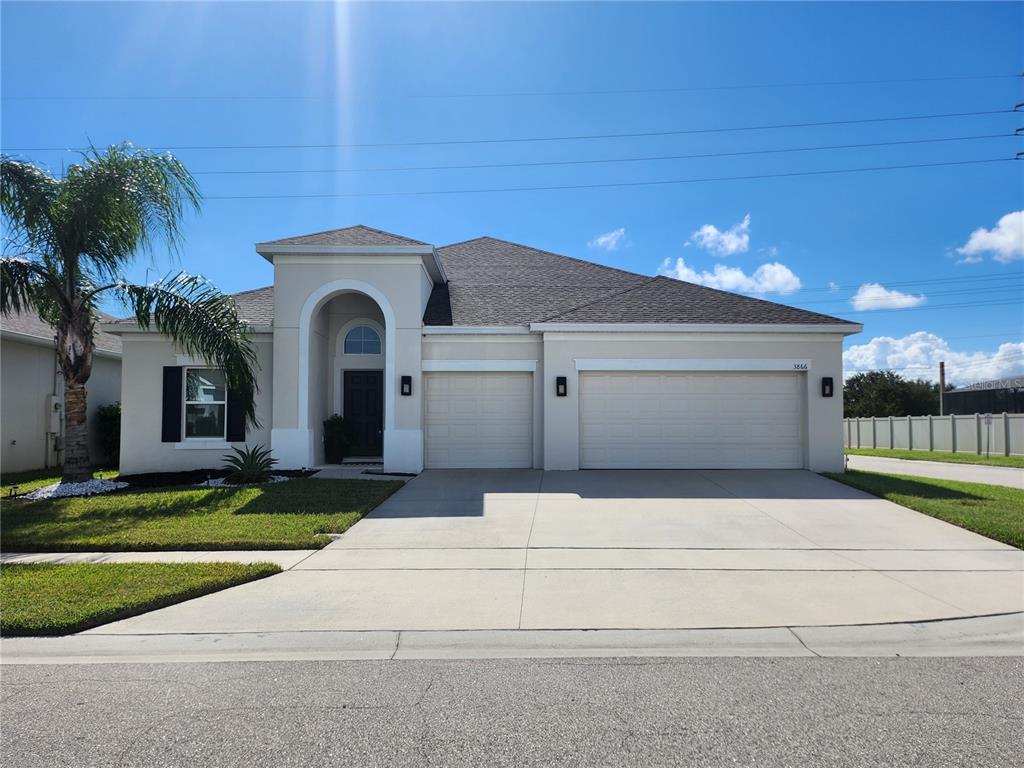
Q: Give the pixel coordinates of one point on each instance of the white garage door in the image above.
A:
(691, 420)
(478, 420)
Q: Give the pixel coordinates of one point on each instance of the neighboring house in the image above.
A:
(491, 354)
(32, 392)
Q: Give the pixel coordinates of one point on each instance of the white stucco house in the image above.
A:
(32, 392)
(487, 353)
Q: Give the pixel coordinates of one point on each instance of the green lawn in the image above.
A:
(38, 478)
(48, 599)
(952, 458)
(296, 514)
(991, 510)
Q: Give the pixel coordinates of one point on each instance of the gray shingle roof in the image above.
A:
(35, 326)
(666, 300)
(348, 236)
(495, 282)
(256, 307)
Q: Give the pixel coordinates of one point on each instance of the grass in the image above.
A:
(48, 599)
(952, 458)
(297, 514)
(39, 478)
(991, 510)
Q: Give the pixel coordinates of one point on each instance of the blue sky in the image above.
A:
(230, 74)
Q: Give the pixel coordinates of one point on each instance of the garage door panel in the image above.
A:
(477, 420)
(699, 420)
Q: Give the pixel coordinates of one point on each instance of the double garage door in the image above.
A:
(691, 420)
(628, 420)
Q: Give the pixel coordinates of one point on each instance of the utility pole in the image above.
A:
(942, 387)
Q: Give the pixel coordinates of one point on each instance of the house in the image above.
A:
(487, 353)
(32, 392)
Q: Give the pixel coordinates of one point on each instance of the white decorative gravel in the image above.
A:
(220, 482)
(88, 488)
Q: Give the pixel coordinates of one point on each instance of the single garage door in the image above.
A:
(478, 420)
(691, 420)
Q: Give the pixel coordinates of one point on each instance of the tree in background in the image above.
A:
(886, 393)
(67, 243)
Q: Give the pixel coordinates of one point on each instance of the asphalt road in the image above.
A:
(571, 712)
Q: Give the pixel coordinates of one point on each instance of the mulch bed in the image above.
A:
(192, 477)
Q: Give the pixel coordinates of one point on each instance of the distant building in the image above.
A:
(32, 392)
(998, 396)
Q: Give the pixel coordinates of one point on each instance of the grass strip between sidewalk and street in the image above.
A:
(50, 599)
(297, 514)
(994, 511)
(992, 460)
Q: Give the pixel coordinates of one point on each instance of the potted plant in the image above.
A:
(336, 439)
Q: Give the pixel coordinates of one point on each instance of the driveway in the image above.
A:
(941, 470)
(620, 550)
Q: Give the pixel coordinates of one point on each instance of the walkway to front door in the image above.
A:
(364, 411)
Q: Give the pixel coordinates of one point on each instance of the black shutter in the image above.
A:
(170, 430)
(236, 419)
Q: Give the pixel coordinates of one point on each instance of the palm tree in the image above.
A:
(68, 241)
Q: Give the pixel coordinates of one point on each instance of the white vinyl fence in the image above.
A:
(998, 433)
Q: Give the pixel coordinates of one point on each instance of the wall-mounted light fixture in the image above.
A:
(406, 386)
(561, 386)
(826, 386)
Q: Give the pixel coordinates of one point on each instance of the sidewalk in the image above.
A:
(285, 558)
(940, 470)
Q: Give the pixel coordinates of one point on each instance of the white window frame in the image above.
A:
(211, 440)
(356, 326)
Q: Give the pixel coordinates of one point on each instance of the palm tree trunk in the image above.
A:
(77, 468)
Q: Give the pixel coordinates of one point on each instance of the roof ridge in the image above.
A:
(340, 229)
(607, 296)
(252, 290)
(546, 252)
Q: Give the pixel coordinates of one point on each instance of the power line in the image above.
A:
(599, 161)
(939, 306)
(966, 291)
(989, 276)
(565, 187)
(532, 139)
(697, 88)
(507, 94)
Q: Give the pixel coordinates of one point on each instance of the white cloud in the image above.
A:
(970, 260)
(736, 239)
(1005, 241)
(877, 296)
(918, 354)
(768, 278)
(609, 241)
(833, 286)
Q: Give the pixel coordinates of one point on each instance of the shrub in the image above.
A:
(108, 429)
(336, 439)
(248, 465)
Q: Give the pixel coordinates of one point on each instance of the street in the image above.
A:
(617, 712)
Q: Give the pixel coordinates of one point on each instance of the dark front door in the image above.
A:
(364, 412)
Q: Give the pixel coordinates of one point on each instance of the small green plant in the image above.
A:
(249, 465)
(108, 428)
(336, 439)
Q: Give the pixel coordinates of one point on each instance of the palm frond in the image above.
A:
(28, 286)
(27, 193)
(120, 201)
(203, 322)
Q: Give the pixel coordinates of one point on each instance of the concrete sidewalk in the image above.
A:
(940, 470)
(285, 558)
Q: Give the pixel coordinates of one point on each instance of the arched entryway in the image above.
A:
(334, 376)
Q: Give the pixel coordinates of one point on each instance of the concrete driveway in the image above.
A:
(620, 550)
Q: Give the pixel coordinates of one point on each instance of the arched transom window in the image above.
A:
(362, 340)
